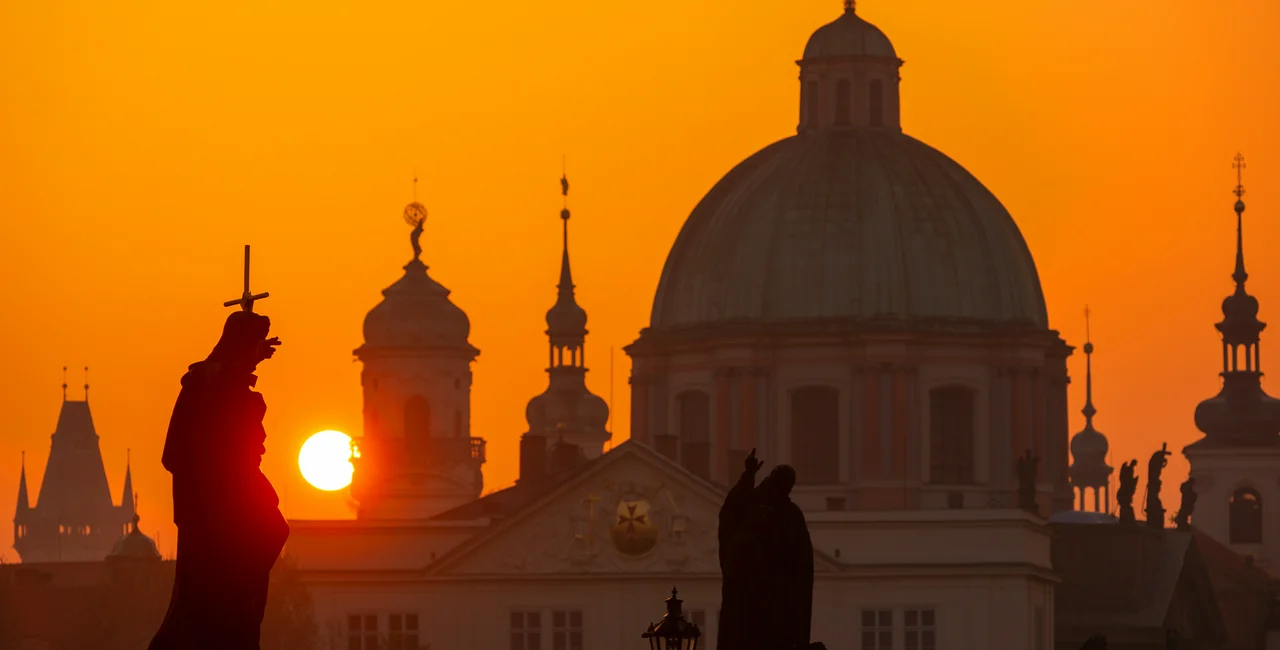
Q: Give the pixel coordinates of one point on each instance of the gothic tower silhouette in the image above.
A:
(74, 519)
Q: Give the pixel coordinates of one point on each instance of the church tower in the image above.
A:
(73, 519)
(1090, 470)
(1236, 465)
(566, 417)
(416, 457)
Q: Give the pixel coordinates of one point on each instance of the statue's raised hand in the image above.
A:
(751, 464)
(267, 348)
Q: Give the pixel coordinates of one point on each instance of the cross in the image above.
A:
(246, 299)
(631, 518)
(1238, 165)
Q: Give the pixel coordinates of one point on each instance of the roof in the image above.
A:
(1130, 577)
(857, 224)
(848, 35)
(74, 489)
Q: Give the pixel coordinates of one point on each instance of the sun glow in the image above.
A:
(325, 460)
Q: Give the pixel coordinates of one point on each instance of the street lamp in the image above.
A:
(673, 632)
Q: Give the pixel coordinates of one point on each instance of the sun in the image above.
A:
(325, 460)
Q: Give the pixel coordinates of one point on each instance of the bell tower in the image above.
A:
(1236, 465)
(416, 456)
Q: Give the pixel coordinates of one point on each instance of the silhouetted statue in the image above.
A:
(415, 215)
(1189, 496)
(766, 559)
(1095, 642)
(1155, 509)
(1128, 489)
(1027, 465)
(230, 530)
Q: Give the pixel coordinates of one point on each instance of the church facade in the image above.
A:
(849, 301)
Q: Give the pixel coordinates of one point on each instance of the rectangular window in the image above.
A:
(566, 630)
(526, 631)
(362, 632)
(877, 629)
(918, 630)
(402, 632)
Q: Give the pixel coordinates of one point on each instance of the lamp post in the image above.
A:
(673, 632)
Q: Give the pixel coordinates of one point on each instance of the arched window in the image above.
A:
(813, 103)
(815, 435)
(842, 102)
(876, 101)
(951, 433)
(1246, 517)
(417, 426)
(694, 413)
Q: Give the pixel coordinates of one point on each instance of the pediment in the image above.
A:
(635, 512)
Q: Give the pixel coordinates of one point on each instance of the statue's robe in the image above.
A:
(766, 563)
(230, 530)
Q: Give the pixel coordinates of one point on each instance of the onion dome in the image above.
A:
(1241, 414)
(1089, 447)
(415, 311)
(848, 35)
(135, 545)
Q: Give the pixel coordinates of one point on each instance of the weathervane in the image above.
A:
(415, 214)
(246, 299)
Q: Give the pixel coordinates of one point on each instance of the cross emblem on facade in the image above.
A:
(631, 519)
(246, 299)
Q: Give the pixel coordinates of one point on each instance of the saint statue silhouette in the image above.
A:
(766, 562)
(230, 530)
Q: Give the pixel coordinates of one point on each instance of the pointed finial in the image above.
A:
(1240, 276)
(415, 185)
(1089, 411)
(849, 6)
(86, 383)
(564, 190)
(24, 460)
(64, 383)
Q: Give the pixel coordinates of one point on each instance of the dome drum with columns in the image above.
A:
(416, 456)
(853, 302)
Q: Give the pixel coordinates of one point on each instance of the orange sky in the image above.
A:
(143, 143)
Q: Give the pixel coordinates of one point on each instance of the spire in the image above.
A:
(1241, 414)
(1239, 276)
(24, 503)
(1089, 447)
(566, 276)
(64, 383)
(566, 320)
(1088, 409)
(128, 501)
(86, 383)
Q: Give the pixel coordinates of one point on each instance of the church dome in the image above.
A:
(570, 407)
(416, 313)
(849, 223)
(848, 35)
(135, 545)
(1089, 447)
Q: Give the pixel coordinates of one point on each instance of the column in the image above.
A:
(640, 411)
(721, 425)
(1000, 421)
(855, 471)
(900, 430)
(871, 423)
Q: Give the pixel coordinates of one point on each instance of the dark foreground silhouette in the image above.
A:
(766, 558)
(230, 530)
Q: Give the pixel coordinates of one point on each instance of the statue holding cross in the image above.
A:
(230, 530)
